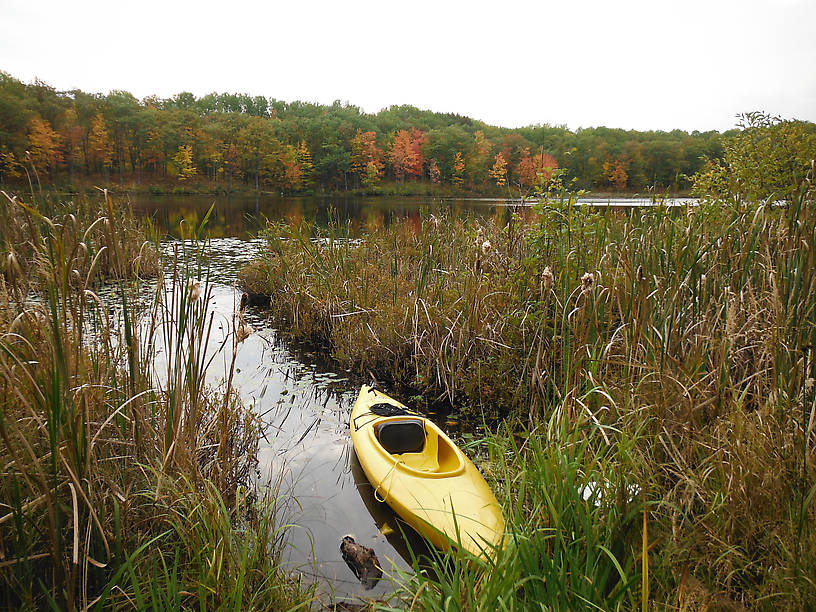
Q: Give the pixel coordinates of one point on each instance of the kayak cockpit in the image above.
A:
(414, 445)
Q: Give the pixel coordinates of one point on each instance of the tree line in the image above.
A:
(237, 140)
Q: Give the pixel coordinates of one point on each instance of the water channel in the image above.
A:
(304, 401)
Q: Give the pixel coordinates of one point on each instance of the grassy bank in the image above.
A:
(122, 486)
(683, 336)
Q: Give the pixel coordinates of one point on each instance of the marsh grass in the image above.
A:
(122, 486)
(572, 536)
(685, 333)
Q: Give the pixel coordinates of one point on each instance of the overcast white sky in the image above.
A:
(635, 64)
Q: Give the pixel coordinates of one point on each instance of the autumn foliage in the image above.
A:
(535, 169)
(224, 140)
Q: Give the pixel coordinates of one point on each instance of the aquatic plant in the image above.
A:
(118, 477)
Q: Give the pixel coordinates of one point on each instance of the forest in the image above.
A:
(226, 142)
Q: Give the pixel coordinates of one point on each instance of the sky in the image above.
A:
(632, 64)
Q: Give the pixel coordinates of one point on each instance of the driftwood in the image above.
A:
(362, 561)
(343, 606)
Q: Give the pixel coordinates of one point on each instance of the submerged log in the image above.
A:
(362, 561)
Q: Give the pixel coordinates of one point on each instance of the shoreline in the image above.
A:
(386, 190)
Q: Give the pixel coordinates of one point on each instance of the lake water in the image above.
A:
(304, 401)
(242, 216)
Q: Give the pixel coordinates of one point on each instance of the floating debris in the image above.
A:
(362, 561)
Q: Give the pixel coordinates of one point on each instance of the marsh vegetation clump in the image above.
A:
(124, 484)
(680, 337)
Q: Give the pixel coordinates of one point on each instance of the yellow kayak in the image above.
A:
(418, 471)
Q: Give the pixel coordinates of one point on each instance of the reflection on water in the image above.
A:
(242, 217)
(308, 447)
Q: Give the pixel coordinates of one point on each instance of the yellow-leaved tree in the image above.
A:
(100, 149)
(44, 145)
(183, 163)
(499, 170)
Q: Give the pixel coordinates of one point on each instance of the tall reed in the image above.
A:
(110, 469)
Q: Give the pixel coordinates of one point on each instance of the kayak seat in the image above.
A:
(403, 436)
(417, 448)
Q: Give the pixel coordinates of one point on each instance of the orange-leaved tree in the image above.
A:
(535, 169)
(365, 154)
(617, 173)
(401, 154)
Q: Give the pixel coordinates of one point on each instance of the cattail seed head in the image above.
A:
(547, 279)
(486, 246)
(13, 265)
(640, 275)
(243, 332)
(587, 280)
(195, 290)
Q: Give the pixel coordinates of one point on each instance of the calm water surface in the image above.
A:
(242, 216)
(304, 402)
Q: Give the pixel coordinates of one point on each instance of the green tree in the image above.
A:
(304, 160)
(769, 159)
(477, 163)
(372, 175)
(458, 170)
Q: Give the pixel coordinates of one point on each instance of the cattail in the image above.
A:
(547, 279)
(479, 237)
(195, 290)
(244, 330)
(486, 246)
(587, 280)
(640, 275)
(13, 267)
